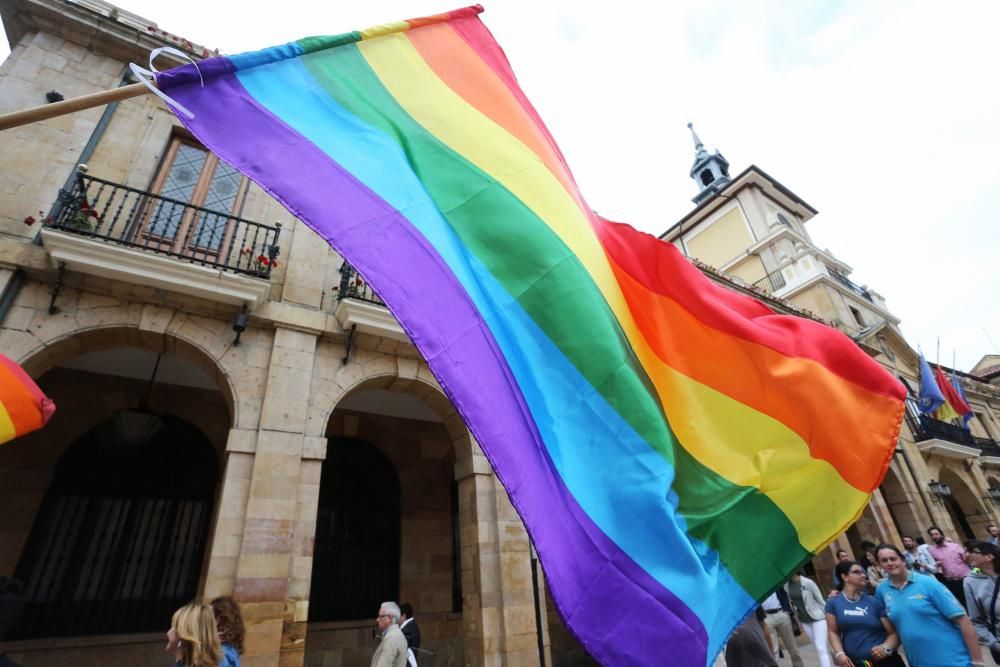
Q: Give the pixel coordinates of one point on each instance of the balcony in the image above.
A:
(116, 231)
(938, 437)
(360, 308)
(771, 283)
(849, 284)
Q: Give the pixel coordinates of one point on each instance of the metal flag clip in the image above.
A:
(147, 77)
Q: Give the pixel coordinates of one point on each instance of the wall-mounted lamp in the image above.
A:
(939, 490)
(240, 324)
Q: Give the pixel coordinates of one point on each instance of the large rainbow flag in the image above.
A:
(674, 449)
(23, 406)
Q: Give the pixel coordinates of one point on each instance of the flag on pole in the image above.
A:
(931, 397)
(23, 406)
(675, 449)
(948, 410)
(962, 406)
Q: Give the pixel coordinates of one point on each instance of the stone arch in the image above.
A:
(65, 344)
(965, 507)
(29, 462)
(417, 383)
(421, 443)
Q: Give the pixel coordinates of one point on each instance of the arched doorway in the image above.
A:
(900, 505)
(119, 540)
(387, 527)
(964, 506)
(139, 425)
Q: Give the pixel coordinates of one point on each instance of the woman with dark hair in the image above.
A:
(859, 631)
(981, 588)
(808, 604)
(229, 623)
(875, 574)
(931, 623)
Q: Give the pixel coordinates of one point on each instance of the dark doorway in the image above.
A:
(119, 540)
(357, 548)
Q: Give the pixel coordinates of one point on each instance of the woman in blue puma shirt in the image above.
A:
(857, 624)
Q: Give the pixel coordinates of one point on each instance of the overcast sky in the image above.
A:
(884, 116)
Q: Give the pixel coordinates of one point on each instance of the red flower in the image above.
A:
(265, 261)
(247, 251)
(84, 206)
(274, 263)
(358, 281)
(94, 213)
(30, 220)
(261, 258)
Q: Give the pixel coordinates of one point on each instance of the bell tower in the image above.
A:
(710, 172)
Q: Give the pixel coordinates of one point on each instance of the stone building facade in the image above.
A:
(244, 448)
(239, 414)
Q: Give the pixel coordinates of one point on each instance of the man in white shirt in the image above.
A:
(411, 631)
(778, 618)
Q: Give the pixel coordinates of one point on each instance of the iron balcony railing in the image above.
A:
(120, 214)
(927, 428)
(771, 283)
(353, 286)
(849, 284)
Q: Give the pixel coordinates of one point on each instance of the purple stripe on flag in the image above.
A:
(602, 589)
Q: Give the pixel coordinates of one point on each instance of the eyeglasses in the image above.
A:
(855, 572)
(384, 616)
(978, 553)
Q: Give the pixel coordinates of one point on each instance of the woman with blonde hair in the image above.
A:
(193, 638)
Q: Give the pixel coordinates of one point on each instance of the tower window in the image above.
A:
(707, 177)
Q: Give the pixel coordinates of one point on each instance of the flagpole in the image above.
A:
(46, 111)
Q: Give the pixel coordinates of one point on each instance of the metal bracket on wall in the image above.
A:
(350, 343)
(53, 309)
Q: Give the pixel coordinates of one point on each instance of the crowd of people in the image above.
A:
(938, 602)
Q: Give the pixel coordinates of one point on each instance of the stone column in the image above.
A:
(227, 537)
(481, 621)
(888, 530)
(264, 569)
(498, 608)
(517, 591)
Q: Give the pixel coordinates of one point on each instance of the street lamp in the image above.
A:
(939, 490)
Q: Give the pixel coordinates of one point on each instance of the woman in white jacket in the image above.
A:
(809, 608)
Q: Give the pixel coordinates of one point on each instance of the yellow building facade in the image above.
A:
(751, 229)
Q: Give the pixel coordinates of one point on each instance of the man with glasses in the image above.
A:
(391, 651)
